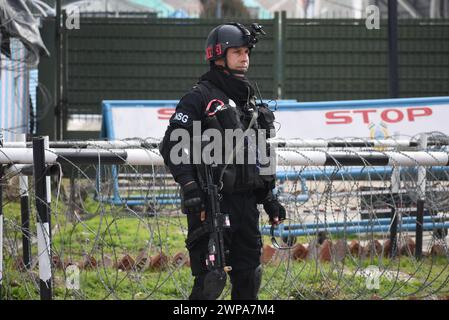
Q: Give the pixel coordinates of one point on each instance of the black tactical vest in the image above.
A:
(222, 113)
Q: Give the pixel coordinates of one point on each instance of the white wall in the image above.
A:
(14, 92)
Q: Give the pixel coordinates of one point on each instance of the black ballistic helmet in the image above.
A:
(230, 35)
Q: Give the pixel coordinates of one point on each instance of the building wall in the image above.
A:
(14, 92)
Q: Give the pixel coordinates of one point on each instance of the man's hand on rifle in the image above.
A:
(193, 200)
(275, 211)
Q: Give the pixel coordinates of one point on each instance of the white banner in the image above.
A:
(377, 119)
(375, 123)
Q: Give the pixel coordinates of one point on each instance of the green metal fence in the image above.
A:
(423, 58)
(141, 60)
(334, 60)
(308, 60)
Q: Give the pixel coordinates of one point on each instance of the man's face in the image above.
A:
(238, 59)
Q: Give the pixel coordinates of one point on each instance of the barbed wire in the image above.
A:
(122, 228)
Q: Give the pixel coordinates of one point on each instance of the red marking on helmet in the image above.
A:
(218, 49)
(209, 52)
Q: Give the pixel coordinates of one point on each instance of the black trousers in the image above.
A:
(245, 285)
(243, 245)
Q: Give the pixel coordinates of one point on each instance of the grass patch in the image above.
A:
(113, 231)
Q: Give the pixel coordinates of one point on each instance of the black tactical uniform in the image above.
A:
(242, 187)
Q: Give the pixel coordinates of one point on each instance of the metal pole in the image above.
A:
(286, 157)
(393, 48)
(48, 185)
(277, 142)
(64, 76)
(280, 55)
(43, 228)
(218, 14)
(395, 185)
(434, 9)
(421, 180)
(282, 232)
(59, 40)
(25, 217)
(360, 223)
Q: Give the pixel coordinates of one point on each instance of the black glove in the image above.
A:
(274, 210)
(191, 198)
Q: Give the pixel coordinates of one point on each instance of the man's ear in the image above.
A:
(220, 62)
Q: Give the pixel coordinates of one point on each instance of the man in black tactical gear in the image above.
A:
(224, 99)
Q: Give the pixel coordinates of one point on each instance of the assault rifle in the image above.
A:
(215, 280)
